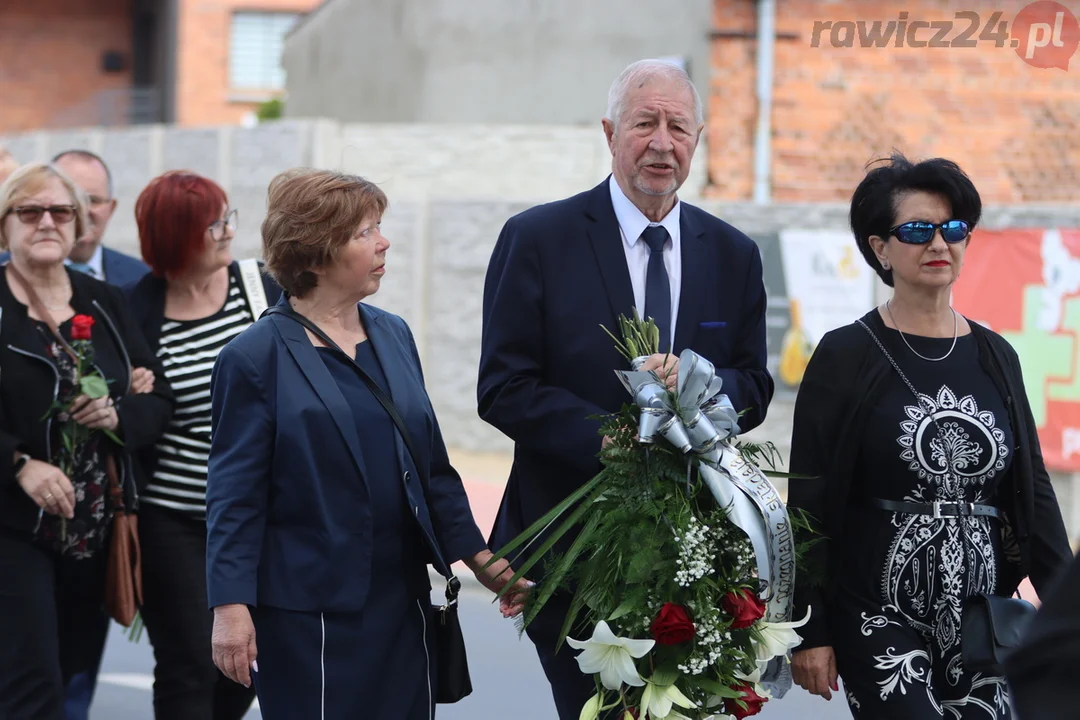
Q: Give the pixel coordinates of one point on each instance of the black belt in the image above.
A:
(936, 509)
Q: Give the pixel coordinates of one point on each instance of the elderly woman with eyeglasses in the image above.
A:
(194, 301)
(65, 450)
(926, 477)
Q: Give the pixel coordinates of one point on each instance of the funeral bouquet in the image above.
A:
(683, 565)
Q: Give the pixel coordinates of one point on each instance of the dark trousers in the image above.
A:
(570, 688)
(187, 685)
(80, 688)
(50, 614)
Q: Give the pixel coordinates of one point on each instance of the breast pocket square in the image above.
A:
(714, 324)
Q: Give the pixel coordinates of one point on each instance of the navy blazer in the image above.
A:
(288, 515)
(121, 269)
(559, 272)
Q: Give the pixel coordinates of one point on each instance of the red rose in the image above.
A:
(744, 606)
(80, 327)
(672, 625)
(753, 702)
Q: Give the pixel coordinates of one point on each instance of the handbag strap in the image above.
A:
(39, 309)
(453, 585)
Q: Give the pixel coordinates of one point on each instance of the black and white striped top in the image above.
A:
(188, 350)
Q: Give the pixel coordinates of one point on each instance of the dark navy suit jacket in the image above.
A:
(289, 521)
(122, 270)
(557, 274)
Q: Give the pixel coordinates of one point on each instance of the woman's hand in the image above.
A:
(495, 577)
(142, 381)
(99, 414)
(814, 670)
(233, 642)
(48, 487)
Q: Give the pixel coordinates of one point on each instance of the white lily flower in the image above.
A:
(778, 638)
(657, 700)
(611, 656)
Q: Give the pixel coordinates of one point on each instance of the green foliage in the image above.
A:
(272, 109)
(649, 533)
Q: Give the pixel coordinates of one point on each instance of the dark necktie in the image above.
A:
(657, 285)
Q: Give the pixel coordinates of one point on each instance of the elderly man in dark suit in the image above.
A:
(561, 270)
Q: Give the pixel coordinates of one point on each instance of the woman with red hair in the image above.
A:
(195, 300)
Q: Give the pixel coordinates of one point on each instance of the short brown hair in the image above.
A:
(29, 179)
(310, 216)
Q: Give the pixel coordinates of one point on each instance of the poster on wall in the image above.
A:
(1025, 285)
(828, 285)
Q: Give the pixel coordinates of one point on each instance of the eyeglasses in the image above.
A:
(920, 233)
(32, 214)
(217, 228)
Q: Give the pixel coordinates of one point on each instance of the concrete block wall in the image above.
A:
(451, 189)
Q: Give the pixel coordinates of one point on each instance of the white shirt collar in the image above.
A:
(95, 262)
(633, 222)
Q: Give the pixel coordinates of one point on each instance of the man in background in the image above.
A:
(90, 173)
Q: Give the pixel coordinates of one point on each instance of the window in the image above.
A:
(255, 45)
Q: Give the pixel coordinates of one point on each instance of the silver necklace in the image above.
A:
(956, 334)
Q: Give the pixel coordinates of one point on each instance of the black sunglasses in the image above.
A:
(918, 232)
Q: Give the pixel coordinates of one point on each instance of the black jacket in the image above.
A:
(147, 301)
(842, 381)
(28, 386)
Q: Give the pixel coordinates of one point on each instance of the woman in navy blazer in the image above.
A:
(319, 528)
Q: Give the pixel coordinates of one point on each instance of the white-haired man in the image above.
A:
(561, 270)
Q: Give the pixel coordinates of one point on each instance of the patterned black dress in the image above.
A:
(84, 535)
(896, 629)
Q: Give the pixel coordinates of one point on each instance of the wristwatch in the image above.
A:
(20, 463)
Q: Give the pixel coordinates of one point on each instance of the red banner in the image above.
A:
(1025, 285)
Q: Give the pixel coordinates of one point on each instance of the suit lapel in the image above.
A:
(695, 279)
(314, 369)
(607, 245)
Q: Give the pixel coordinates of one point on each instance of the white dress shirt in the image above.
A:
(95, 263)
(632, 223)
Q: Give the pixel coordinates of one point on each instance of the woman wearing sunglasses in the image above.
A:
(55, 524)
(927, 482)
(196, 299)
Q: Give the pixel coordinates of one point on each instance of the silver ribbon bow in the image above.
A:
(699, 420)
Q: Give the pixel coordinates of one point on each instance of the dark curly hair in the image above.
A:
(873, 205)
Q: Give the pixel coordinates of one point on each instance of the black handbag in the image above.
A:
(990, 625)
(451, 664)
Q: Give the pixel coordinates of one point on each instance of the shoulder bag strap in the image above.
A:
(251, 278)
(452, 583)
(39, 309)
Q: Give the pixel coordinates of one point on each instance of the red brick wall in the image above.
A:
(202, 87)
(1013, 127)
(51, 58)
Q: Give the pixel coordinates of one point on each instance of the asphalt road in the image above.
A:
(508, 681)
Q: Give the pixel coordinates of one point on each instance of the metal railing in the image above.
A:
(112, 108)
